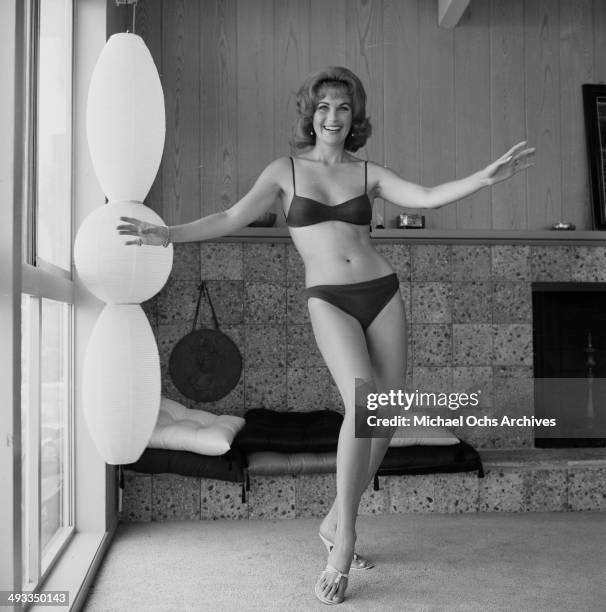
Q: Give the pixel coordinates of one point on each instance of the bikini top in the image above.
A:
(305, 211)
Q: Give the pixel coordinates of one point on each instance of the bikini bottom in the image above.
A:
(363, 301)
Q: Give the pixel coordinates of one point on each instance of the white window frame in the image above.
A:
(40, 563)
(43, 280)
(11, 149)
(95, 491)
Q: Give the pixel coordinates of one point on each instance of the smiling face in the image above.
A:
(333, 116)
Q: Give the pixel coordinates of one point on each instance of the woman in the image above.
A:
(354, 304)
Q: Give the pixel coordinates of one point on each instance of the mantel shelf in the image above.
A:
(440, 236)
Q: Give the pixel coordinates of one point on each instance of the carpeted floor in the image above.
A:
(429, 562)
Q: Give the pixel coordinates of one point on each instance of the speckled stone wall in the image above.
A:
(527, 484)
(469, 309)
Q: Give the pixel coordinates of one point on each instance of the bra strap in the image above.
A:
(365, 176)
(294, 189)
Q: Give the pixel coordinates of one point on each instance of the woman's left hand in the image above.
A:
(518, 158)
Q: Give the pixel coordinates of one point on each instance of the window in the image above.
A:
(46, 433)
(47, 474)
(53, 134)
(55, 522)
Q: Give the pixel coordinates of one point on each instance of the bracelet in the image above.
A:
(167, 239)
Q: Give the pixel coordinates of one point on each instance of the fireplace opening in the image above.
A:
(569, 335)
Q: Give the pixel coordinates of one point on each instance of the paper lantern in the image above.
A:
(113, 272)
(126, 128)
(125, 121)
(121, 377)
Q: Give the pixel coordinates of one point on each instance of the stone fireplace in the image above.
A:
(569, 337)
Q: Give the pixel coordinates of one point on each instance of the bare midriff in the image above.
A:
(338, 253)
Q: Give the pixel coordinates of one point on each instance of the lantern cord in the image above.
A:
(134, 5)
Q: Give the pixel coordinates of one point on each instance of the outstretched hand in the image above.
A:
(146, 233)
(518, 158)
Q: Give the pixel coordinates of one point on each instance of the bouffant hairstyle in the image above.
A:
(314, 89)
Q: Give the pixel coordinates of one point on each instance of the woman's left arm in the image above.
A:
(395, 189)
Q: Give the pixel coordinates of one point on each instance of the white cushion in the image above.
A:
(179, 428)
(423, 436)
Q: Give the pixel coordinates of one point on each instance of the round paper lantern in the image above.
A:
(121, 383)
(125, 120)
(113, 272)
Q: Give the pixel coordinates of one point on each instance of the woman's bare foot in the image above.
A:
(332, 583)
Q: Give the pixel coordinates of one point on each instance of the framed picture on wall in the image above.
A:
(594, 106)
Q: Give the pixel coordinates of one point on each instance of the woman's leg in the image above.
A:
(387, 343)
(387, 340)
(343, 347)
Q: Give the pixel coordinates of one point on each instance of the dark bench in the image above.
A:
(290, 443)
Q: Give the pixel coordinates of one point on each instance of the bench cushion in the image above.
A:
(459, 457)
(228, 466)
(289, 432)
(267, 463)
(398, 460)
(198, 431)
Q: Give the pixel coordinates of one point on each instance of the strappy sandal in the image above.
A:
(358, 563)
(337, 581)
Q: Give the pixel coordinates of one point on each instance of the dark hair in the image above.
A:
(309, 95)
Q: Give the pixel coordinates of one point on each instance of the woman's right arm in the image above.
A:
(257, 201)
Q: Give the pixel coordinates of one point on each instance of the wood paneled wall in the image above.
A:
(443, 102)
